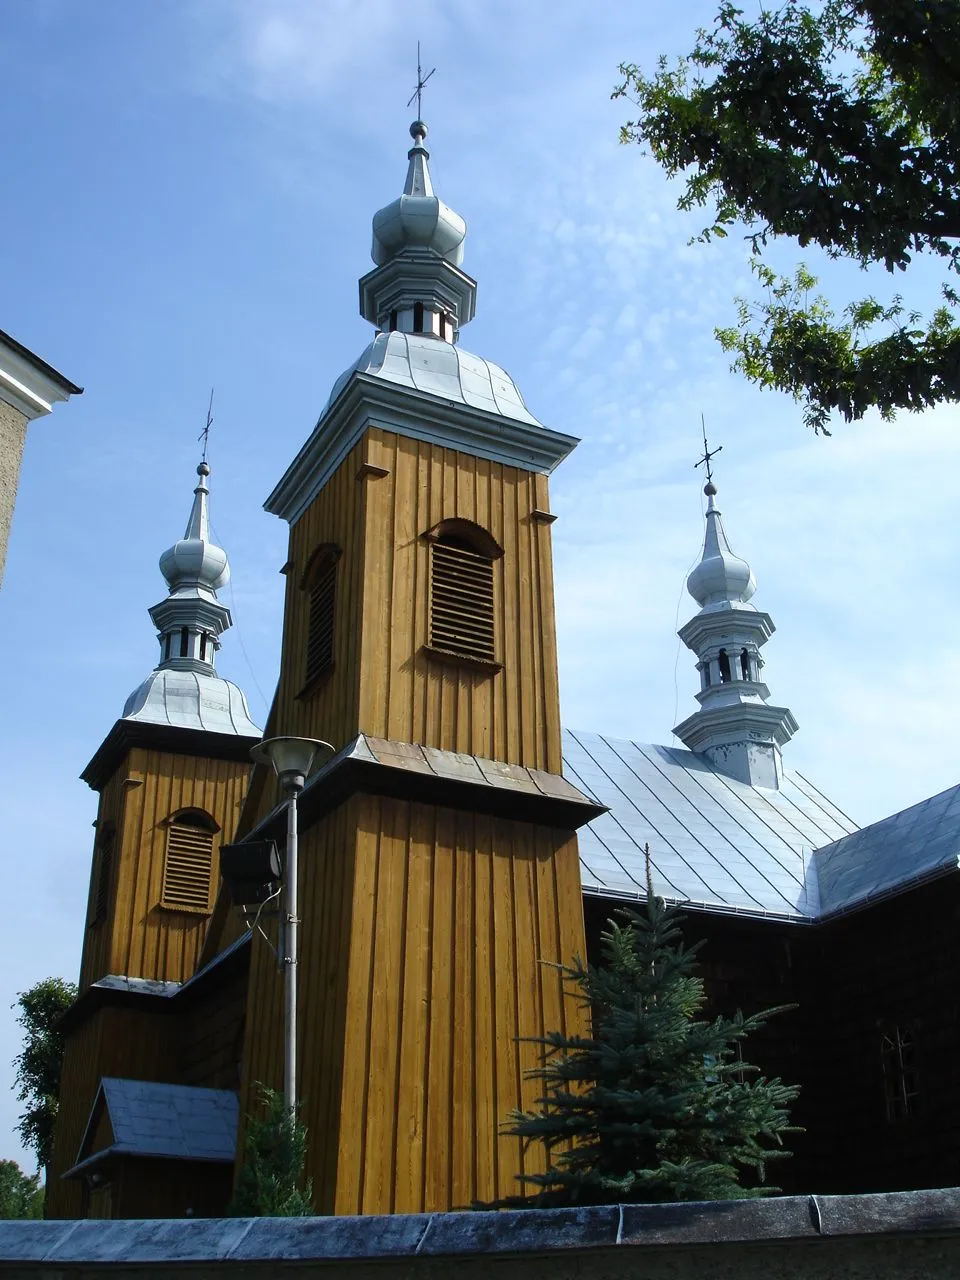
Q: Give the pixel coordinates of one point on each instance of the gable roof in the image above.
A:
(149, 1118)
(914, 845)
(718, 844)
(715, 843)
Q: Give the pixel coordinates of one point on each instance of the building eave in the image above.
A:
(367, 401)
(27, 382)
(127, 734)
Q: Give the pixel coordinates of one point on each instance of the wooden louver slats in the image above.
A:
(187, 868)
(461, 602)
(323, 595)
(104, 877)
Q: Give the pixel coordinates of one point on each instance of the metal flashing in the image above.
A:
(372, 399)
(183, 740)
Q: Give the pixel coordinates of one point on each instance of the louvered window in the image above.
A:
(104, 877)
(461, 600)
(321, 585)
(188, 865)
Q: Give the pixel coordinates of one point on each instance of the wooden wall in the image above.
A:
(428, 939)
(383, 683)
(129, 1043)
(139, 938)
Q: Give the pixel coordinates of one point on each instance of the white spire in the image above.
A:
(184, 689)
(735, 727)
(417, 286)
(720, 578)
(195, 561)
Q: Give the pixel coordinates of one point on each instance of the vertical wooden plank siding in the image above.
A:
(326, 898)
(427, 934)
(512, 715)
(449, 968)
(139, 938)
(112, 1042)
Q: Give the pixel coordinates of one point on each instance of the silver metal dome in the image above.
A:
(720, 578)
(417, 217)
(437, 368)
(194, 560)
(191, 700)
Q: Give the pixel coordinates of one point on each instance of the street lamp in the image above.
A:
(292, 759)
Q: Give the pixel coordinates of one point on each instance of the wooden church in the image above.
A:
(459, 844)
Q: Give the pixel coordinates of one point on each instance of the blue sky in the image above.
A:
(188, 202)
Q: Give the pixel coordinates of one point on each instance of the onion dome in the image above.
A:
(720, 577)
(184, 690)
(195, 561)
(418, 217)
(417, 285)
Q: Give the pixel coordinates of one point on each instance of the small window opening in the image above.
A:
(321, 583)
(166, 646)
(184, 642)
(393, 321)
(104, 876)
(443, 326)
(203, 646)
(898, 1053)
(723, 661)
(461, 592)
(418, 317)
(744, 665)
(188, 864)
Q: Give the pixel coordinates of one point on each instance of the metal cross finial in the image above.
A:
(421, 82)
(205, 433)
(708, 453)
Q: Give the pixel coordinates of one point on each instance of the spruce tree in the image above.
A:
(270, 1183)
(656, 1105)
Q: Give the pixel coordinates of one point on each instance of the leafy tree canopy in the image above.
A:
(833, 124)
(657, 1104)
(38, 1063)
(21, 1195)
(270, 1183)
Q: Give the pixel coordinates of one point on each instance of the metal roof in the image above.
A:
(915, 844)
(166, 1120)
(421, 362)
(714, 842)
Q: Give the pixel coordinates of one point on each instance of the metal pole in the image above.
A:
(291, 942)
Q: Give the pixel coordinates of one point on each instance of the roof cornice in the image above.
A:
(427, 775)
(127, 734)
(367, 401)
(739, 722)
(28, 383)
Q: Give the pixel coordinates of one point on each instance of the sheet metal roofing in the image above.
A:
(150, 1119)
(915, 844)
(191, 700)
(715, 843)
(424, 363)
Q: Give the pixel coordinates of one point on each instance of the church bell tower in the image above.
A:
(440, 880)
(171, 775)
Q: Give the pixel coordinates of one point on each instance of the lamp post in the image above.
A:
(292, 759)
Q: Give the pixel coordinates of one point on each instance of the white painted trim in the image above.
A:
(25, 386)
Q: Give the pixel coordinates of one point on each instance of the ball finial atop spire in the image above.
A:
(418, 131)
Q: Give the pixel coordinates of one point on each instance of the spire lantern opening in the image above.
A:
(735, 728)
(417, 285)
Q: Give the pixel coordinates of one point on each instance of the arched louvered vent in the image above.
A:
(462, 619)
(320, 582)
(103, 874)
(188, 865)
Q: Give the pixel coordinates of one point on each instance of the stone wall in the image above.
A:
(13, 431)
(912, 1235)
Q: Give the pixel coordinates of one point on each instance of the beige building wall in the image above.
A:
(13, 432)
